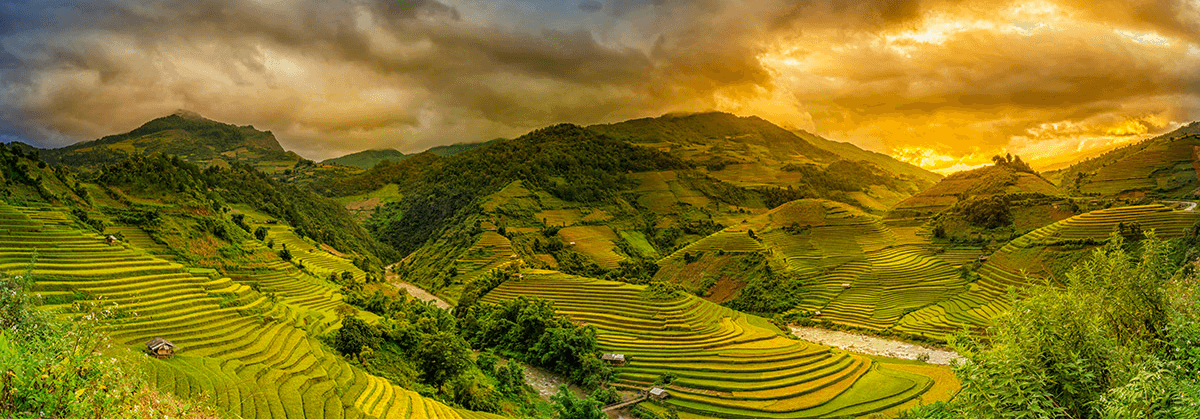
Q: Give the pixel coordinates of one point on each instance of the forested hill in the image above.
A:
(717, 130)
(367, 158)
(166, 178)
(752, 152)
(568, 161)
(194, 138)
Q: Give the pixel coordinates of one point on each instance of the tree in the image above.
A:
(567, 406)
(354, 335)
(260, 233)
(441, 357)
(990, 212)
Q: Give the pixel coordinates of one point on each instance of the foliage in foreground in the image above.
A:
(58, 369)
(1119, 340)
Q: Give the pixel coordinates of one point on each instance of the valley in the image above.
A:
(705, 249)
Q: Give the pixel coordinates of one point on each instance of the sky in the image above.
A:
(944, 84)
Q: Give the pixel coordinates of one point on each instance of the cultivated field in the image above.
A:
(253, 357)
(728, 364)
(1037, 254)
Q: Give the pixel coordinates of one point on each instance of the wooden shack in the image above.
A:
(659, 394)
(613, 359)
(161, 348)
(110, 239)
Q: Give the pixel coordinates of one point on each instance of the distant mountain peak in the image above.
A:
(188, 135)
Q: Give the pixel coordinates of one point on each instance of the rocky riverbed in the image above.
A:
(873, 345)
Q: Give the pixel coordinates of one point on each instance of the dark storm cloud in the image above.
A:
(341, 76)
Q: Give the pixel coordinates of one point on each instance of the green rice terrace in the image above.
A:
(859, 271)
(728, 364)
(254, 356)
(1039, 254)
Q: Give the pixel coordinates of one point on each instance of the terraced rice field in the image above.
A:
(491, 251)
(253, 357)
(728, 364)
(878, 291)
(139, 238)
(559, 217)
(314, 259)
(314, 299)
(660, 191)
(596, 242)
(1009, 265)
(1155, 164)
(978, 182)
(858, 271)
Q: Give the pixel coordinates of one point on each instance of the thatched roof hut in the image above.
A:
(659, 394)
(613, 359)
(161, 348)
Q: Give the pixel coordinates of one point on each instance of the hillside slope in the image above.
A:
(1166, 166)
(815, 256)
(367, 158)
(999, 179)
(562, 197)
(727, 364)
(251, 357)
(1043, 254)
(751, 152)
(189, 136)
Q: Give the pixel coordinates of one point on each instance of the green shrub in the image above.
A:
(1116, 340)
(567, 406)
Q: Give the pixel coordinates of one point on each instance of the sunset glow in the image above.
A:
(1051, 80)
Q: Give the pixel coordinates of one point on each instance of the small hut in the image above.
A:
(659, 394)
(110, 239)
(845, 285)
(613, 359)
(982, 258)
(161, 348)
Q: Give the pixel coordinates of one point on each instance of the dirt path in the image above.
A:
(1183, 205)
(414, 290)
(872, 345)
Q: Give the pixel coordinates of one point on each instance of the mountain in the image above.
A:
(851, 152)
(752, 152)
(456, 148)
(1165, 166)
(232, 267)
(189, 136)
(367, 158)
